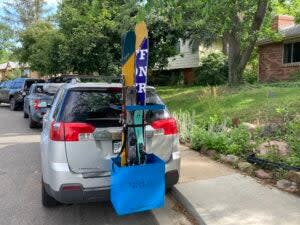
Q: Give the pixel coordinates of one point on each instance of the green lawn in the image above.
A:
(249, 102)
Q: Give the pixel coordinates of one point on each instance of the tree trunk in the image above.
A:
(238, 58)
(234, 55)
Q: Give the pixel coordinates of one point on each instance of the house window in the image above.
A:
(291, 53)
(177, 46)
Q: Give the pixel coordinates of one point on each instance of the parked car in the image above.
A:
(81, 132)
(4, 90)
(83, 78)
(36, 102)
(13, 92)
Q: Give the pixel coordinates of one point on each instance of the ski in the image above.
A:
(128, 61)
(141, 66)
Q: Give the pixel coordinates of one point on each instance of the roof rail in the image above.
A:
(75, 80)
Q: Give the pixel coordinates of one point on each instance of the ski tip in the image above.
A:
(128, 46)
(141, 33)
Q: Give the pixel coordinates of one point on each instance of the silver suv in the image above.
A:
(82, 132)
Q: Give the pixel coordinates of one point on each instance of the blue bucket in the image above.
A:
(137, 188)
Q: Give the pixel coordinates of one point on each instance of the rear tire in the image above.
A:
(13, 104)
(47, 200)
(25, 115)
(32, 123)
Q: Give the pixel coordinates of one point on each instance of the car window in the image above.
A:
(93, 107)
(51, 89)
(97, 107)
(38, 89)
(28, 83)
(31, 90)
(59, 99)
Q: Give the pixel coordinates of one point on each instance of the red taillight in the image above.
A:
(73, 130)
(36, 104)
(57, 131)
(71, 188)
(169, 126)
(70, 131)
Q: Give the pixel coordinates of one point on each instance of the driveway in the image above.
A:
(20, 196)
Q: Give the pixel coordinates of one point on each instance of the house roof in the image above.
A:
(184, 60)
(12, 65)
(3, 66)
(286, 32)
(291, 31)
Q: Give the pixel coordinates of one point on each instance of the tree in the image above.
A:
(237, 23)
(41, 44)
(5, 42)
(87, 37)
(289, 7)
(92, 38)
(23, 13)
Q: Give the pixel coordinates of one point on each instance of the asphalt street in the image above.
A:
(20, 195)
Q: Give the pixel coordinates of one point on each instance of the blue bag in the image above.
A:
(137, 188)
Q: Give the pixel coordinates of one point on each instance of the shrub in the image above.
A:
(14, 74)
(239, 141)
(295, 76)
(185, 122)
(251, 70)
(293, 138)
(291, 134)
(250, 76)
(236, 141)
(213, 70)
(208, 139)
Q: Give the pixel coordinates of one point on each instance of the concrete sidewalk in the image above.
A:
(215, 194)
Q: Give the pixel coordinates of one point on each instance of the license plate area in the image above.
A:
(116, 146)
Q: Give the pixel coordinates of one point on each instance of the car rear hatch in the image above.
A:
(41, 98)
(92, 129)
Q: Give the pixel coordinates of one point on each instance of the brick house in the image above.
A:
(279, 60)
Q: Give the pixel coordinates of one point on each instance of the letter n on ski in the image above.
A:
(141, 61)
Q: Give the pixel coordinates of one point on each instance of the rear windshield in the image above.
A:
(28, 83)
(38, 89)
(51, 89)
(97, 107)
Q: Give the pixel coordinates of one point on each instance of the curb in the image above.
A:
(187, 205)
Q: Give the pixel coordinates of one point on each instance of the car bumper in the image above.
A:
(88, 189)
(98, 194)
(38, 116)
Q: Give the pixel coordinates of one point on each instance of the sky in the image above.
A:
(52, 4)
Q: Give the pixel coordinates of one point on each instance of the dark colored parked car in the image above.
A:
(84, 79)
(4, 90)
(13, 92)
(36, 102)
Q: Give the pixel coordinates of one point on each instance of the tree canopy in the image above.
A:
(86, 37)
(22, 13)
(5, 41)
